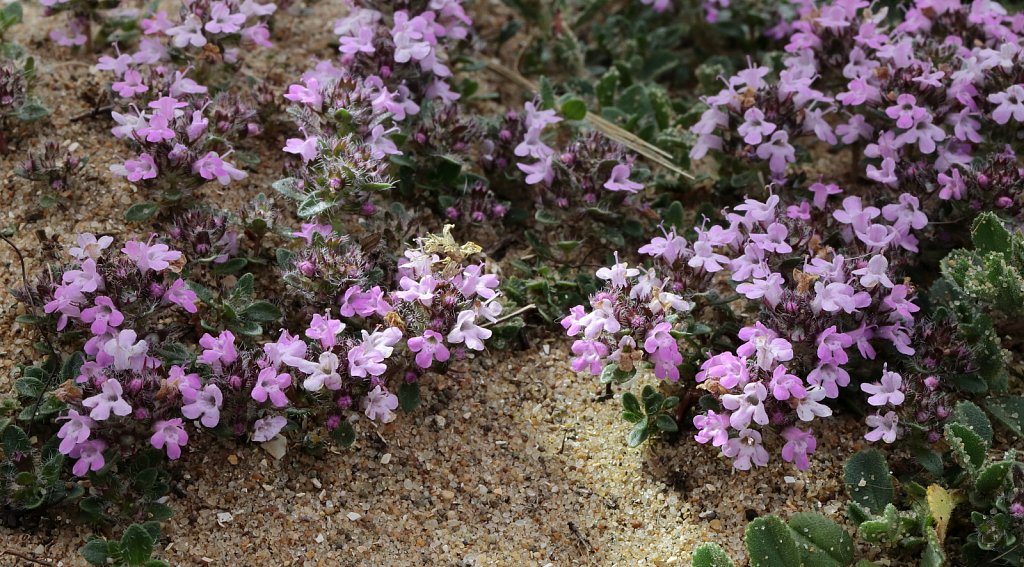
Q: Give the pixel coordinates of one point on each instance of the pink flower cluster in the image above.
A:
(840, 305)
(343, 358)
(924, 97)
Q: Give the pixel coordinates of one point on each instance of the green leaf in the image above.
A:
(933, 556)
(992, 477)
(822, 542)
(32, 111)
(136, 545)
(770, 543)
(232, 266)
(710, 555)
(968, 447)
(652, 399)
(545, 216)
(408, 396)
(15, 441)
(29, 387)
(344, 435)
(612, 374)
(1009, 410)
(631, 404)
(96, 551)
(547, 93)
(638, 434)
(868, 480)
(666, 423)
(990, 235)
(574, 109)
(313, 206)
(72, 366)
(262, 311)
(673, 216)
(971, 416)
(29, 319)
(284, 258)
(289, 188)
(159, 512)
(141, 211)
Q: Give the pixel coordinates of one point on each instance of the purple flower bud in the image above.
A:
(452, 213)
(344, 401)
(421, 138)
(932, 383)
(140, 414)
(501, 163)
(1004, 202)
(307, 268)
(369, 209)
(562, 202)
(385, 71)
(982, 179)
(589, 198)
(235, 382)
(568, 158)
(499, 211)
(333, 421)
(504, 135)
(411, 376)
(1017, 510)
(459, 146)
(478, 216)
(238, 428)
(511, 116)
(135, 385)
(933, 436)
(922, 416)
(942, 412)
(335, 183)
(156, 290)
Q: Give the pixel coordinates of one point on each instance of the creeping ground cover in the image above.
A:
(512, 282)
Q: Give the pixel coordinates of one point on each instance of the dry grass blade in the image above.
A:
(624, 137)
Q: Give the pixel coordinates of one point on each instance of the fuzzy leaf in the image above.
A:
(638, 434)
(1009, 410)
(710, 555)
(992, 477)
(344, 435)
(968, 447)
(141, 211)
(574, 109)
(868, 480)
(408, 396)
(822, 542)
(262, 311)
(770, 543)
(136, 545)
(631, 404)
(666, 423)
(971, 416)
(990, 235)
(96, 551)
(933, 556)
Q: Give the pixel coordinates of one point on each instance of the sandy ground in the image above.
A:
(508, 461)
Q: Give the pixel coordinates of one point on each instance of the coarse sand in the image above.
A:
(509, 460)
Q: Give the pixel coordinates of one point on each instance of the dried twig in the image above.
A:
(613, 131)
(515, 313)
(92, 113)
(19, 555)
